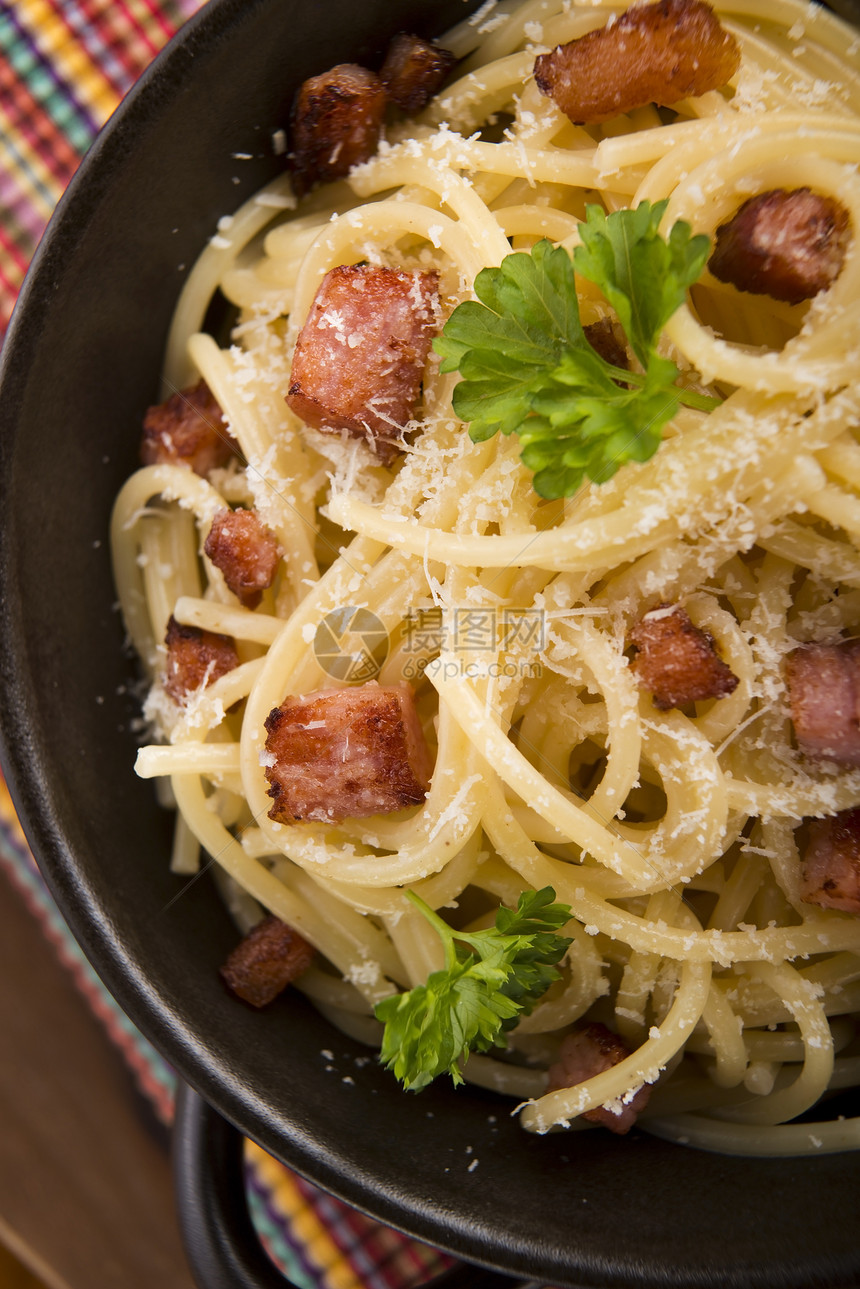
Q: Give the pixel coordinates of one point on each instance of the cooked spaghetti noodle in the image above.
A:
(671, 834)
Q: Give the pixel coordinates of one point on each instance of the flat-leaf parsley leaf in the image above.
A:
(490, 979)
(527, 365)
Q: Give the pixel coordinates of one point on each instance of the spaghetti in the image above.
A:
(671, 834)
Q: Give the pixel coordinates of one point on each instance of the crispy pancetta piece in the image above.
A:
(655, 53)
(336, 121)
(604, 340)
(788, 245)
(346, 754)
(830, 873)
(189, 429)
(413, 71)
(246, 551)
(360, 356)
(824, 694)
(268, 959)
(583, 1054)
(677, 661)
(195, 658)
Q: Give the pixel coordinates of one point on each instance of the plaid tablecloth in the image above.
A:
(64, 66)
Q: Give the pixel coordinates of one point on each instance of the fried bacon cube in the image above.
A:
(824, 696)
(677, 661)
(604, 340)
(336, 121)
(195, 658)
(583, 1054)
(413, 71)
(360, 356)
(830, 873)
(189, 429)
(654, 53)
(246, 551)
(346, 754)
(786, 244)
(269, 958)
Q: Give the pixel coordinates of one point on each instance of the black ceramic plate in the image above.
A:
(80, 366)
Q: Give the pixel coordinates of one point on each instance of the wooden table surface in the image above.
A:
(86, 1196)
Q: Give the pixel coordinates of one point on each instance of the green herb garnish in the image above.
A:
(490, 979)
(528, 368)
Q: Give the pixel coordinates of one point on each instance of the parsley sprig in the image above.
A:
(528, 367)
(490, 979)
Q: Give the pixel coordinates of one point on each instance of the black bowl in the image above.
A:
(80, 366)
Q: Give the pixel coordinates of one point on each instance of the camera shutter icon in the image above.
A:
(351, 644)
